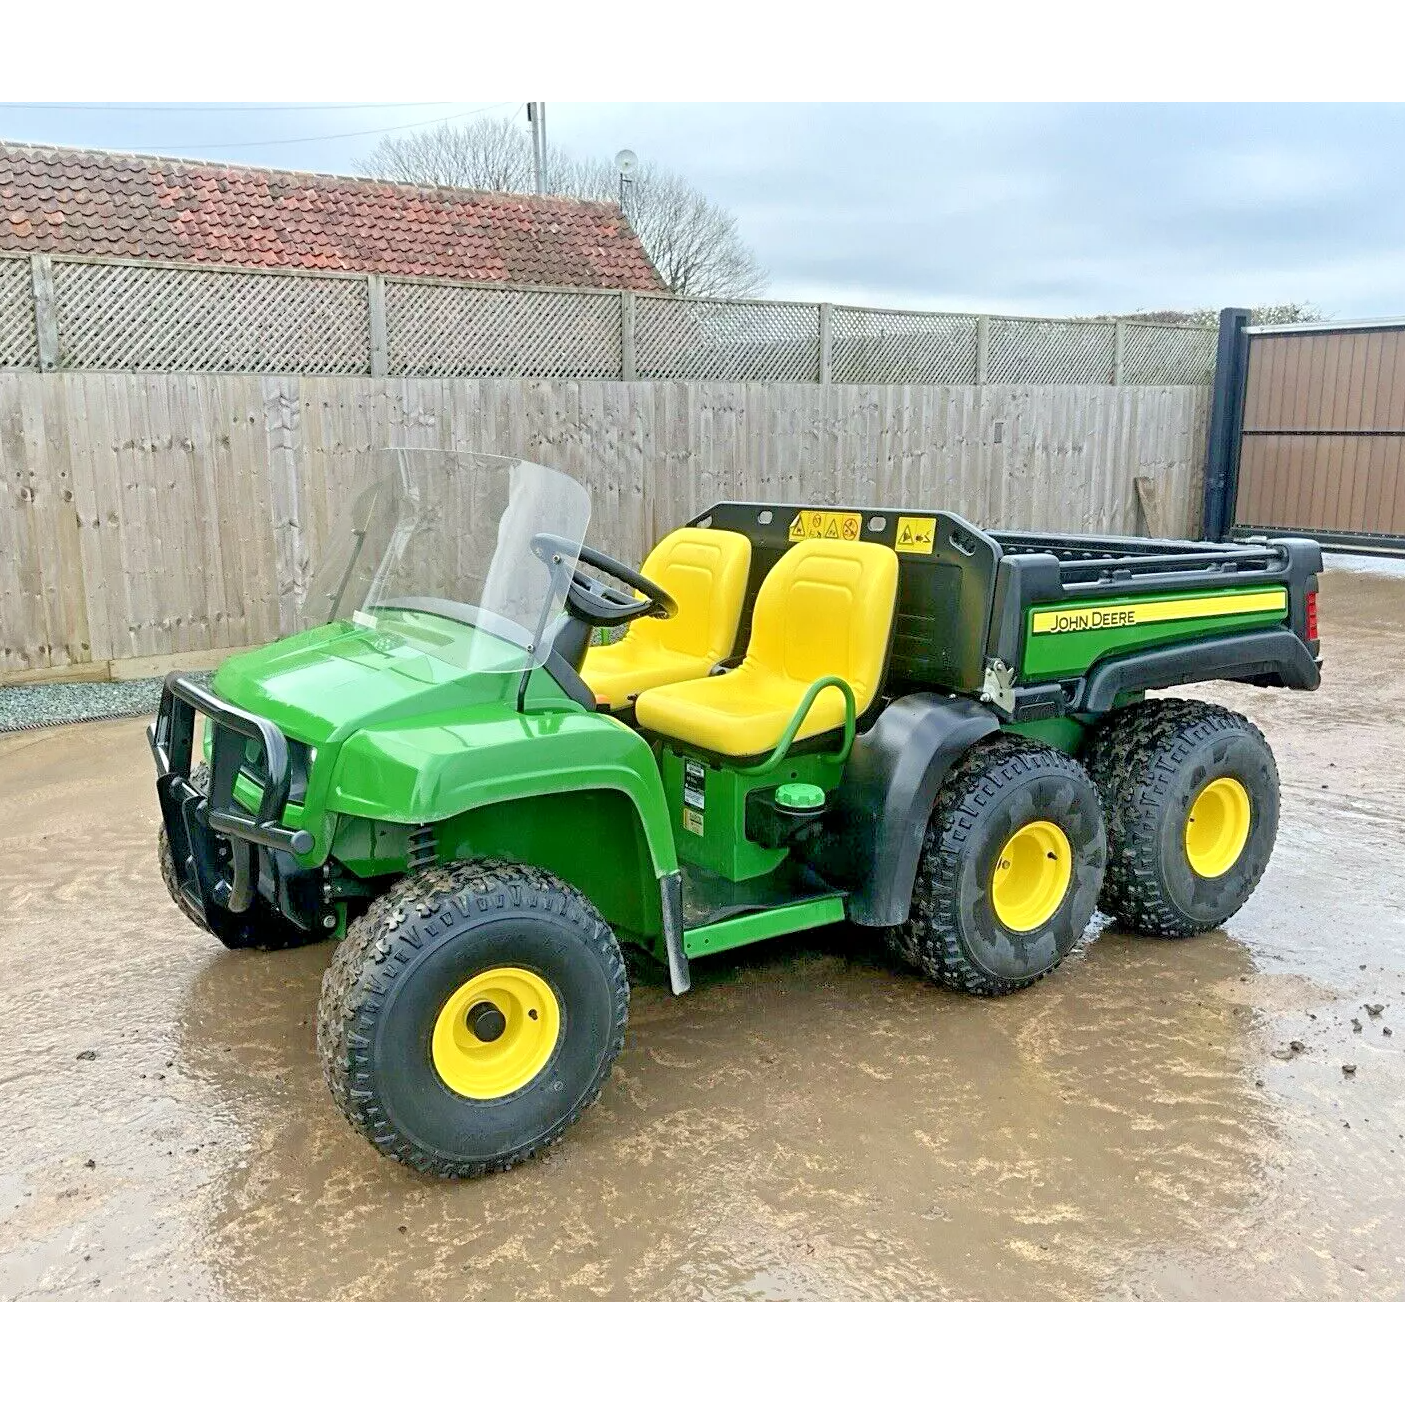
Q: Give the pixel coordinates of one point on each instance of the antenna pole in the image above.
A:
(536, 116)
(625, 162)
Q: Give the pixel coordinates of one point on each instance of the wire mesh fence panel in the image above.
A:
(437, 329)
(156, 318)
(135, 316)
(18, 344)
(698, 339)
(893, 348)
(1155, 355)
(1026, 352)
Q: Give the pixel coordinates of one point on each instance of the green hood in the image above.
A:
(329, 682)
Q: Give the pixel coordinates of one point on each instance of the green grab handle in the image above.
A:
(793, 726)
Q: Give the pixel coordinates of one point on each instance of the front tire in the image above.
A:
(471, 1016)
(1010, 869)
(1190, 792)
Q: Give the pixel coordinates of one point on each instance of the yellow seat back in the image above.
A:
(705, 571)
(826, 607)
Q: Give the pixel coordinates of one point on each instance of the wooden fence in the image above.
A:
(150, 516)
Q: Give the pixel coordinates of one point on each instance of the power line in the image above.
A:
(338, 136)
(211, 107)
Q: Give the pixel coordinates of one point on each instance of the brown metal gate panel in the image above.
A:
(1323, 433)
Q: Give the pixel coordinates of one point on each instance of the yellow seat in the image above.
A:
(825, 608)
(705, 571)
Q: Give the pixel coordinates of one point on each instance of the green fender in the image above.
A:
(576, 792)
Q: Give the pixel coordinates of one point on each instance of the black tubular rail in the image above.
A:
(172, 738)
(1105, 558)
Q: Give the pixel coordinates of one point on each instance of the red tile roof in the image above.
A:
(63, 200)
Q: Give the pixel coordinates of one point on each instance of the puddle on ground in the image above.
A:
(811, 1122)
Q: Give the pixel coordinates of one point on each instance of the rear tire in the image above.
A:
(1152, 762)
(262, 929)
(471, 1016)
(1011, 811)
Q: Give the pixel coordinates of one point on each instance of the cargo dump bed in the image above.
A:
(1044, 625)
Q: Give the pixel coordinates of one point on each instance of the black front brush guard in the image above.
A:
(212, 836)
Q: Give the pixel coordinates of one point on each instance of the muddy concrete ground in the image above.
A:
(1158, 1119)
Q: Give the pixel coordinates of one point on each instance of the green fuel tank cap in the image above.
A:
(799, 795)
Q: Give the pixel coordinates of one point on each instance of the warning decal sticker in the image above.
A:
(916, 535)
(1075, 618)
(816, 524)
(694, 785)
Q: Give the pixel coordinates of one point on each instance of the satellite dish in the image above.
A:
(626, 162)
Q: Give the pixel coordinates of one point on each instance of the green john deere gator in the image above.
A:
(813, 714)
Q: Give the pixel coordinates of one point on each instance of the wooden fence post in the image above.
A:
(1119, 348)
(375, 300)
(826, 342)
(628, 371)
(46, 315)
(982, 350)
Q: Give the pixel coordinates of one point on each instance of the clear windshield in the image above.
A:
(465, 556)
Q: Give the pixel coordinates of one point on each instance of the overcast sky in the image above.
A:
(1041, 209)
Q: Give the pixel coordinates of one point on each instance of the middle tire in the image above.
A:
(1010, 870)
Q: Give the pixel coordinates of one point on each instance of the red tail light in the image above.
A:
(1311, 616)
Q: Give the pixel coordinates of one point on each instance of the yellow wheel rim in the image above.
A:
(1032, 876)
(495, 1033)
(1217, 827)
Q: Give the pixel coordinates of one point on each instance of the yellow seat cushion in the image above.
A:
(705, 571)
(826, 608)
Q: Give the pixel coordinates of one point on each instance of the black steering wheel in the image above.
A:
(592, 601)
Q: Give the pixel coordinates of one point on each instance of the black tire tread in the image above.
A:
(925, 940)
(1133, 758)
(353, 985)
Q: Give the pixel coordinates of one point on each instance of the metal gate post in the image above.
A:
(1226, 421)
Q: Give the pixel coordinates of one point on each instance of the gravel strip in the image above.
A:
(26, 706)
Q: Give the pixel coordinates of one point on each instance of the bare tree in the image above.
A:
(492, 153)
(1270, 314)
(693, 242)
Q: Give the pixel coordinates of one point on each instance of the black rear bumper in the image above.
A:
(215, 842)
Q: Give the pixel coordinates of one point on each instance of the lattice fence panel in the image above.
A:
(895, 348)
(18, 345)
(1153, 355)
(696, 339)
(1024, 352)
(446, 330)
(154, 318)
